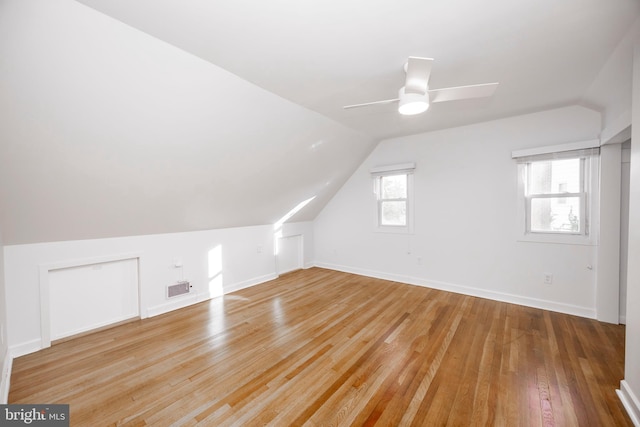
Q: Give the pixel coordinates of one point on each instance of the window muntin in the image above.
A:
(392, 200)
(555, 196)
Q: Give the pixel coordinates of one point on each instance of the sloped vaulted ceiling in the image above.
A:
(330, 53)
(151, 116)
(106, 131)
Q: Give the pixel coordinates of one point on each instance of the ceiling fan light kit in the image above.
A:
(412, 103)
(413, 97)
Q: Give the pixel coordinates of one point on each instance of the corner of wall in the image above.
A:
(630, 402)
(5, 354)
(5, 380)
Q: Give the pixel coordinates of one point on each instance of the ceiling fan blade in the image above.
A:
(386, 101)
(462, 92)
(418, 72)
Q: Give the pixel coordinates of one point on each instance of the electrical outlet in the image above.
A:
(548, 278)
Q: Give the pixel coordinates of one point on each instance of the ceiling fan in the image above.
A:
(414, 97)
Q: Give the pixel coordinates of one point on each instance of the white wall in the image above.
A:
(607, 266)
(465, 216)
(624, 227)
(630, 386)
(215, 261)
(610, 91)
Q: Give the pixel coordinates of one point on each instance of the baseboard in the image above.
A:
(188, 300)
(177, 303)
(468, 290)
(185, 301)
(630, 402)
(25, 348)
(5, 380)
(249, 283)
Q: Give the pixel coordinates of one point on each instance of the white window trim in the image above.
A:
(590, 202)
(398, 169)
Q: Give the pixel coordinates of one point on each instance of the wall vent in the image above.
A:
(178, 289)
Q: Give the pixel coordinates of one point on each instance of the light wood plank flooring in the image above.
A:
(319, 347)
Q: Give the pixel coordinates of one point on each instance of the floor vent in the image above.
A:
(178, 289)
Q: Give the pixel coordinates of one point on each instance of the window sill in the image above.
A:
(393, 230)
(562, 239)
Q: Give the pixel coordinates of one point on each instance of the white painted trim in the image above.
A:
(630, 402)
(607, 273)
(175, 304)
(570, 146)
(469, 290)
(35, 345)
(591, 206)
(27, 347)
(5, 381)
(393, 229)
(45, 306)
(188, 300)
(249, 283)
(45, 314)
(399, 168)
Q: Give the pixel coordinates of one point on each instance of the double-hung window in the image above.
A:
(393, 187)
(556, 194)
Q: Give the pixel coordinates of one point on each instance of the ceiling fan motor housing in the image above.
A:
(412, 103)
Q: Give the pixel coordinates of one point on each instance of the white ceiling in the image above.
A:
(106, 131)
(229, 113)
(326, 54)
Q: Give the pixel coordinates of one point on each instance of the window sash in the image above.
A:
(527, 184)
(381, 215)
(382, 200)
(381, 225)
(581, 195)
(583, 218)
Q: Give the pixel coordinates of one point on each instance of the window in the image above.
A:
(557, 195)
(393, 188)
(392, 200)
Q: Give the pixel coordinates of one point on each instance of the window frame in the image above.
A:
(581, 195)
(588, 194)
(405, 169)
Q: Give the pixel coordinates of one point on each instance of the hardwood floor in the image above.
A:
(319, 347)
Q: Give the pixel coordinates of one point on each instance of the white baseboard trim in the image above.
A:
(25, 348)
(188, 300)
(468, 290)
(185, 301)
(249, 283)
(630, 402)
(177, 303)
(5, 381)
